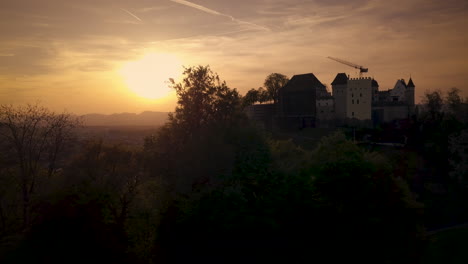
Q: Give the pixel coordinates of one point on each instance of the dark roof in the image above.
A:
(303, 82)
(410, 83)
(375, 83)
(340, 78)
(403, 82)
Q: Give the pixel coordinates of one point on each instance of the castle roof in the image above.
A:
(403, 82)
(303, 82)
(341, 78)
(375, 83)
(410, 83)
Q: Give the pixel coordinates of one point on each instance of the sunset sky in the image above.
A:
(88, 56)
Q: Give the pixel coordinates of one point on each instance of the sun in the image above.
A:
(149, 76)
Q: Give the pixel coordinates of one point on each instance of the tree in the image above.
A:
(111, 171)
(191, 148)
(366, 200)
(458, 146)
(434, 101)
(251, 97)
(263, 95)
(453, 99)
(203, 99)
(456, 105)
(273, 83)
(34, 137)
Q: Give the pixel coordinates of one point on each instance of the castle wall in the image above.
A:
(325, 112)
(388, 113)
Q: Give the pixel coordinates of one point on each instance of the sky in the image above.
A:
(81, 56)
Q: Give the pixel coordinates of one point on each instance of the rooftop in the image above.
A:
(303, 82)
(341, 78)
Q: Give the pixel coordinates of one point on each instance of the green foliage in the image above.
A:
(288, 158)
(300, 202)
(359, 187)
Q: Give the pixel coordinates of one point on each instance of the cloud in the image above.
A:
(214, 12)
(131, 14)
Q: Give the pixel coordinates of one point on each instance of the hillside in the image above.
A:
(146, 118)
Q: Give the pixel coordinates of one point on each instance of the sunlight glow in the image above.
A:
(149, 76)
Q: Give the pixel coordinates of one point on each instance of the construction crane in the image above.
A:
(361, 68)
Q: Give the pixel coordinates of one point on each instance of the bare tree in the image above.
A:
(34, 137)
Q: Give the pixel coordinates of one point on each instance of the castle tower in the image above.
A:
(410, 92)
(359, 99)
(339, 89)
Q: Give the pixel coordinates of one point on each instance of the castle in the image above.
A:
(305, 102)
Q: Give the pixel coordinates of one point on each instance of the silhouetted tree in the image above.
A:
(263, 96)
(457, 107)
(458, 146)
(203, 100)
(251, 97)
(109, 171)
(454, 100)
(273, 83)
(35, 137)
(434, 102)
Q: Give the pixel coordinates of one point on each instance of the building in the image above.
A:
(359, 98)
(326, 116)
(262, 114)
(394, 104)
(297, 102)
(340, 94)
(305, 102)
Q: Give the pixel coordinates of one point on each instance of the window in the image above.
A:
(360, 95)
(352, 101)
(352, 113)
(357, 101)
(352, 95)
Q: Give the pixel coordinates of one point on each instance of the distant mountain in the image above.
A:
(146, 118)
